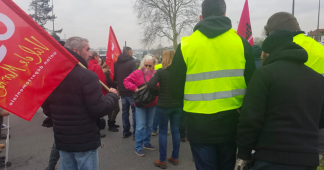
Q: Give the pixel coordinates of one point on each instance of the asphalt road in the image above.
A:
(30, 147)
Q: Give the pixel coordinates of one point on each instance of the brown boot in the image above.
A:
(173, 161)
(160, 164)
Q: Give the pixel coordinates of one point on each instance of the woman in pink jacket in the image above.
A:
(145, 115)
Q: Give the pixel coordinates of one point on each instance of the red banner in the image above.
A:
(32, 63)
(113, 51)
(244, 28)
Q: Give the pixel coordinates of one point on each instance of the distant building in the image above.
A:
(313, 34)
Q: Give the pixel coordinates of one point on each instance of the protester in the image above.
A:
(144, 115)
(156, 116)
(112, 117)
(138, 62)
(257, 51)
(210, 71)
(283, 109)
(167, 109)
(100, 62)
(96, 68)
(158, 65)
(75, 106)
(124, 66)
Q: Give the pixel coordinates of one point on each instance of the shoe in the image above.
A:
(102, 135)
(113, 129)
(160, 164)
(2, 146)
(149, 147)
(154, 133)
(169, 133)
(133, 136)
(173, 161)
(114, 124)
(183, 140)
(4, 136)
(47, 123)
(2, 164)
(5, 127)
(127, 135)
(139, 153)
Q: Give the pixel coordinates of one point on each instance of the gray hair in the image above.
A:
(76, 42)
(126, 50)
(147, 58)
(93, 54)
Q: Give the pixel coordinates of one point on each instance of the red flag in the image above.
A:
(244, 28)
(113, 52)
(32, 63)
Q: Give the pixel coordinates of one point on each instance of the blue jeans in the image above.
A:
(79, 160)
(127, 101)
(173, 115)
(156, 121)
(144, 126)
(214, 157)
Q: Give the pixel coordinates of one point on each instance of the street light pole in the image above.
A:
(53, 15)
(319, 12)
(293, 8)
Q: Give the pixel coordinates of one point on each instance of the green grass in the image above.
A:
(320, 168)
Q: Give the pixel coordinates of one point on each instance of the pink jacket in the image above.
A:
(136, 79)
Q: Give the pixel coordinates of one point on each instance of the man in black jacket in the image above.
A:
(282, 109)
(124, 66)
(212, 136)
(75, 106)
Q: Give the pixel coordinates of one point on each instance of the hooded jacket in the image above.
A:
(212, 128)
(123, 67)
(75, 106)
(95, 67)
(283, 110)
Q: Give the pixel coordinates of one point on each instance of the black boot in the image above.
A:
(114, 124)
(112, 128)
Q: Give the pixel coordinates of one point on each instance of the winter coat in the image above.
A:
(283, 110)
(96, 68)
(165, 100)
(136, 79)
(215, 128)
(123, 67)
(75, 106)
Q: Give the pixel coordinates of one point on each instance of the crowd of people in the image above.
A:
(259, 108)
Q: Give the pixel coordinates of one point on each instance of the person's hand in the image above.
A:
(112, 90)
(5, 113)
(137, 90)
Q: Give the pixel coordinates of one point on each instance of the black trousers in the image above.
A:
(113, 115)
(261, 165)
(183, 125)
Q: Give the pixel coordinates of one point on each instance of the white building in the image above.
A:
(313, 34)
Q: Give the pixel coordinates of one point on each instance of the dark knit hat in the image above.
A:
(282, 21)
(277, 39)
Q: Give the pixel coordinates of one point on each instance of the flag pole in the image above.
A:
(102, 84)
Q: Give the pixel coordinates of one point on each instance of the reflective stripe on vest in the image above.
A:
(215, 72)
(315, 52)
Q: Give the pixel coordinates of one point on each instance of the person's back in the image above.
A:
(75, 106)
(210, 72)
(96, 68)
(283, 108)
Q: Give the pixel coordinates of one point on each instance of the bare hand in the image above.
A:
(112, 90)
(136, 90)
(5, 113)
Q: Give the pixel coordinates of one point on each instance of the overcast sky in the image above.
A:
(91, 18)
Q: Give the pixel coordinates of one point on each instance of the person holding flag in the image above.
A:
(210, 72)
(75, 106)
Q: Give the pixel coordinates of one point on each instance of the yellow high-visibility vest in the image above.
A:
(158, 66)
(215, 72)
(315, 52)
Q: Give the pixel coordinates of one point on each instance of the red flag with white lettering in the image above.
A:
(113, 52)
(244, 28)
(32, 63)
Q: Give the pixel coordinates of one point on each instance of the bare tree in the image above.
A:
(166, 18)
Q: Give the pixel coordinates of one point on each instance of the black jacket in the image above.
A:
(123, 67)
(75, 106)
(283, 110)
(211, 128)
(165, 100)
